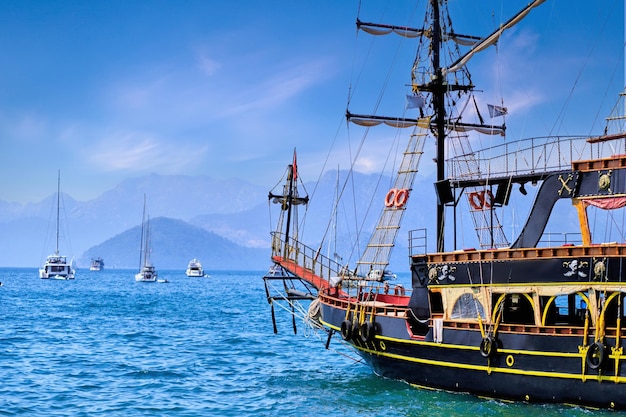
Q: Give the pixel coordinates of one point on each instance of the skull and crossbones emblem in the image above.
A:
(575, 267)
(440, 273)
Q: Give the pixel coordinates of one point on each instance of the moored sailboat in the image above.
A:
(56, 265)
(522, 321)
(147, 271)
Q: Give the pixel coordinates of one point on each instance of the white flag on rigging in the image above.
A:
(413, 102)
(496, 111)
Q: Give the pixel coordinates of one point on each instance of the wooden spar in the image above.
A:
(606, 138)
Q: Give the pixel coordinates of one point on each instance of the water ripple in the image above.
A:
(104, 345)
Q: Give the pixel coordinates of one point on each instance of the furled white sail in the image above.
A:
(491, 39)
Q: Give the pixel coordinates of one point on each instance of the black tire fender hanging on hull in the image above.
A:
(488, 347)
(346, 329)
(367, 331)
(595, 355)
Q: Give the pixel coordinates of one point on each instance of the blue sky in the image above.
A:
(107, 90)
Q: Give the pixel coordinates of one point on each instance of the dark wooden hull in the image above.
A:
(527, 366)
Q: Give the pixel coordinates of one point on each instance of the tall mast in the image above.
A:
(438, 94)
(58, 209)
(288, 198)
(289, 203)
(143, 221)
(438, 84)
(146, 255)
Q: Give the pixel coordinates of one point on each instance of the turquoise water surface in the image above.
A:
(104, 345)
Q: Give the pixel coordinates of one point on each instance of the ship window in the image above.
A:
(467, 307)
(436, 303)
(611, 310)
(516, 309)
(564, 310)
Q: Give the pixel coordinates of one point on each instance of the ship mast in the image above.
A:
(438, 95)
(288, 200)
(143, 225)
(439, 87)
(439, 84)
(58, 209)
(290, 197)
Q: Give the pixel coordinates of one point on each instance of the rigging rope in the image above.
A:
(302, 314)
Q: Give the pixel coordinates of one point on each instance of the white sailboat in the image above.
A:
(147, 271)
(56, 265)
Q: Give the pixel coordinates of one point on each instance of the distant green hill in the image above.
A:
(174, 243)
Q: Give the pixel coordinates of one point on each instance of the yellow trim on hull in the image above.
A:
(484, 368)
(461, 347)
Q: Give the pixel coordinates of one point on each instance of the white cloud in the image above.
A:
(138, 94)
(142, 152)
(207, 65)
(276, 90)
(25, 126)
(366, 165)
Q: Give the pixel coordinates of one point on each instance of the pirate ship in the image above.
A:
(528, 320)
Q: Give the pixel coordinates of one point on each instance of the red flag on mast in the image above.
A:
(295, 167)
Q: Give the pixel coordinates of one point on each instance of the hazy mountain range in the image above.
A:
(225, 224)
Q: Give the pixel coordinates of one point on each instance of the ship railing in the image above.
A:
(312, 260)
(527, 157)
(417, 242)
(393, 306)
(552, 239)
(322, 272)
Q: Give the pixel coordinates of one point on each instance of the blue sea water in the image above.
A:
(104, 345)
